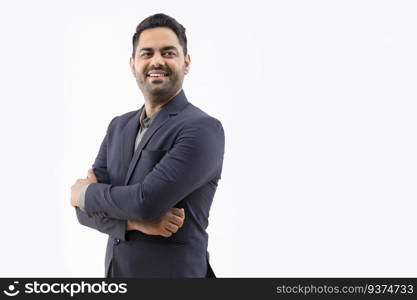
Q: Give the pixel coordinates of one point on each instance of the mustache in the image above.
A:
(158, 69)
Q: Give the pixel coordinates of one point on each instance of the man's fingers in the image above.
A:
(171, 227)
(176, 220)
(178, 212)
(166, 233)
(91, 173)
(91, 176)
(172, 221)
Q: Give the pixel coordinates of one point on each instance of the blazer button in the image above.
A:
(116, 241)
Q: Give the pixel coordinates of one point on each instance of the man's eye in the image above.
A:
(169, 53)
(146, 54)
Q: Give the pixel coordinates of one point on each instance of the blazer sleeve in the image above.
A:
(116, 228)
(195, 158)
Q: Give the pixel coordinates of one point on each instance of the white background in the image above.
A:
(317, 98)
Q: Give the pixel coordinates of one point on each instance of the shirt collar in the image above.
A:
(145, 122)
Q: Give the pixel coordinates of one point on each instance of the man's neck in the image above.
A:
(152, 106)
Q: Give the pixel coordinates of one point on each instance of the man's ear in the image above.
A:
(187, 60)
(132, 65)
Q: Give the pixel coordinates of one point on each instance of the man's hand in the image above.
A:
(165, 226)
(78, 185)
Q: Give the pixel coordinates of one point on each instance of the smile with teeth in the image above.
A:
(157, 75)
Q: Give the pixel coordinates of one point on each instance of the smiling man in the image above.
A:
(154, 178)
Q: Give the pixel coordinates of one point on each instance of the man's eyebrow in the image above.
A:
(146, 49)
(163, 48)
(169, 48)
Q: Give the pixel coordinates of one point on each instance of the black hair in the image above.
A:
(160, 20)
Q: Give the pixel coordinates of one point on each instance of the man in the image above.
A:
(156, 173)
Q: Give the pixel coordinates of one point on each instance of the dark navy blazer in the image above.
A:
(177, 163)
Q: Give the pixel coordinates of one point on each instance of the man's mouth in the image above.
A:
(157, 74)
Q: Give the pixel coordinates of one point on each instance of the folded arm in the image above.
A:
(164, 226)
(194, 160)
(113, 227)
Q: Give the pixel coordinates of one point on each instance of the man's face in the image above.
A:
(159, 64)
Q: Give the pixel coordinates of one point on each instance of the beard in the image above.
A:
(159, 89)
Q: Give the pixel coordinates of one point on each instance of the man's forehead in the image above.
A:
(158, 37)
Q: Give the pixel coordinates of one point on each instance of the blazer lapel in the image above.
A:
(170, 109)
(128, 140)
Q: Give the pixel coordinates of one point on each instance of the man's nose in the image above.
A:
(157, 60)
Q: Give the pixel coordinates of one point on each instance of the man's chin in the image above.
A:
(158, 88)
(158, 91)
